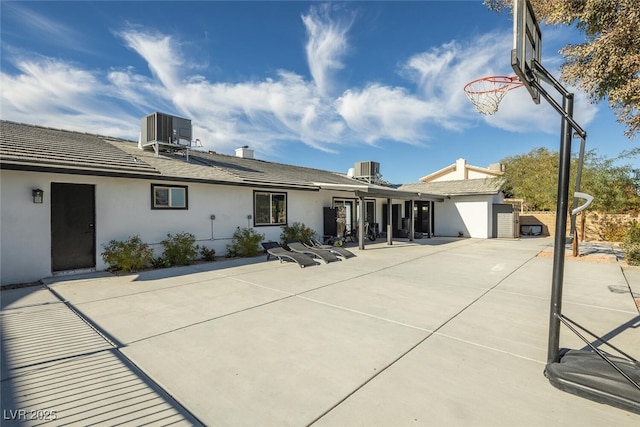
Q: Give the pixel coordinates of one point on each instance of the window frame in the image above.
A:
(270, 194)
(169, 187)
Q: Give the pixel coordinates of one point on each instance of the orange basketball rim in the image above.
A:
(487, 92)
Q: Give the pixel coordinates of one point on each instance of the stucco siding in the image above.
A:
(123, 209)
(25, 243)
(473, 174)
(470, 217)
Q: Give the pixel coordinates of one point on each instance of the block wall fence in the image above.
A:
(597, 226)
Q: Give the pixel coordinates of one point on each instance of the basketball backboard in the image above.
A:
(526, 45)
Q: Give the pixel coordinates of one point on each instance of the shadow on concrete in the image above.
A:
(633, 323)
(57, 369)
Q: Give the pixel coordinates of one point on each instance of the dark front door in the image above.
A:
(421, 217)
(73, 239)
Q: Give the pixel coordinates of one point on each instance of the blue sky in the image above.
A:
(315, 84)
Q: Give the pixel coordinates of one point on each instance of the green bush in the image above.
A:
(245, 243)
(160, 262)
(179, 249)
(207, 254)
(631, 244)
(129, 255)
(613, 229)
(297, 232)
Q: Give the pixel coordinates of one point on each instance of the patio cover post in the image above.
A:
(389, 222)
(360, 222)
(432, 207)
(411, 223)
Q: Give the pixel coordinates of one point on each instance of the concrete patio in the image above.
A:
(431, 332)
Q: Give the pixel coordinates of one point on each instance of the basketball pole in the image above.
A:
(557, 282)
(564, 171)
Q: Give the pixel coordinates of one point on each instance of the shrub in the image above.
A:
(179, 249)
(160, 262)
(612, 228)
(297, 232)
(245, 243)
(207, 254)
(129, 255)
(631, 244)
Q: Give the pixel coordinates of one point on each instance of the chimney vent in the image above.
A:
(244, 152)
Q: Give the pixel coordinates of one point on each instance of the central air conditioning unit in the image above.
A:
(164, 129)
(367, 171)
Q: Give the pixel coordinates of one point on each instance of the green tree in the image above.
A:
(607, 64)
(614, 186)
(534, 178)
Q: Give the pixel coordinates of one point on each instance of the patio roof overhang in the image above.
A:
(340, 187)
(398, 194)
(364, 190)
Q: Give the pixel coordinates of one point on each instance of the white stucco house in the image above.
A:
(64, 195)
(462, 171)
(474, 205)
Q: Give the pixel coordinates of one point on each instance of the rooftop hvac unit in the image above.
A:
(159, 128)
(369, 171)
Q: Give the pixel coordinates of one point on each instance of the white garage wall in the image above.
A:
(469, 215)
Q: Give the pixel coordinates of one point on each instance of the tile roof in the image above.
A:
(482, 186)
(208, 166)
(41, 147)
(30, 147)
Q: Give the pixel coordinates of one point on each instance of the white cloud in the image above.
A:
(380, 112)
(161, 52)
(285, 107)
(60, 95)
(44, 28)
(326, 45)
(442, 72)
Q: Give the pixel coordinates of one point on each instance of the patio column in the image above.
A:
(361, 222)
(389, 222)
(411, 222)
(432, 206)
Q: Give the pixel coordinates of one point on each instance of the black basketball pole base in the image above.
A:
(587, 374)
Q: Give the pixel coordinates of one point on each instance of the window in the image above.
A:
(169, 197)
(370, 211)
(269, 208)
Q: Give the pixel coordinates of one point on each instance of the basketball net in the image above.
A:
(487, 92)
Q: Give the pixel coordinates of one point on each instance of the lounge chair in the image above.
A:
(274, 249)
(326, 256)
(345, 253)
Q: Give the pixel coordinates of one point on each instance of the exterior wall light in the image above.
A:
(37, 195)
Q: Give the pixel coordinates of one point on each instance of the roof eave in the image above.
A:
(62, 168)
(398, 194)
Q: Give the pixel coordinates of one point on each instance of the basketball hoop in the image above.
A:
(487, 92)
